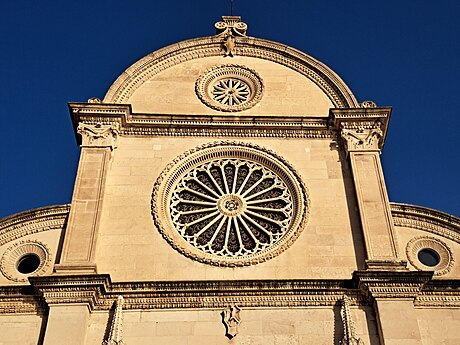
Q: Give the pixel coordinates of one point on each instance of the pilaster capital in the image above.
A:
(391, 284)
(361, 129)
(99, 135)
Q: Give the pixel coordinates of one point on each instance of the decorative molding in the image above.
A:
(143, 70)
(349, 332)
(230, 88)
(11, 257)
(391, 284)
(224, 125)
(116, 326)
(33, 221)
(174, 172)
(98, 135)
(99, 293)
(426, 219)
(231, 319)
(446, 257)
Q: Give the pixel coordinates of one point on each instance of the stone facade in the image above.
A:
(229, 191)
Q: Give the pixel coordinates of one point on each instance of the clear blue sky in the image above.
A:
(399, 53)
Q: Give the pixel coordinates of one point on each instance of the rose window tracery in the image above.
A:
(229, 204)
(230, 91)
(231, 207)
(230, 88)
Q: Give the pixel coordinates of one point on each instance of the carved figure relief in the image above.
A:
(230, 88)
(98, 135)
(231, 319)
(229, 204)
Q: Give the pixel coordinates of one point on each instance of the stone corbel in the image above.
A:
(99, 135)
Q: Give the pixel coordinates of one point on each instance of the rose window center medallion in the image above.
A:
(229, 206)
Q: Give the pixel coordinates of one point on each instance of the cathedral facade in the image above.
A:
(230, 191)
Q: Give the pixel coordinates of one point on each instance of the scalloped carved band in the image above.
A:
(230, 204)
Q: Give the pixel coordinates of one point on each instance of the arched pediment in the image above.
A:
(321, 84)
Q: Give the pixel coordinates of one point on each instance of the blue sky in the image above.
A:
(399, 53)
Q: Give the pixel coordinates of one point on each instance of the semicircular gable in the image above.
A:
(426, 219)
(140, 72)
(33, 221)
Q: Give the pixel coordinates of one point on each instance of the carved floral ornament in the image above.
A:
(230, 204)
(230, 88)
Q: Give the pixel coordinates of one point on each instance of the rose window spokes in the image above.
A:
(231, 207)
(230, 91)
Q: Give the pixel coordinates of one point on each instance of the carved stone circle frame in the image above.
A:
(11, 257)
(229, 88)
(446, 258)
(252, 204)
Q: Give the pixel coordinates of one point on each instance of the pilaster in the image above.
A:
(393, 294)
(362, 132)
(97, 142)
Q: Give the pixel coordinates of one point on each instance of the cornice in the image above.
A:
(99, 293)
(426, 219)
(144, 69)
(33, 221)
(132, 124)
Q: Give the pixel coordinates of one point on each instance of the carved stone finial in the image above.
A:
(349, 337)
(94, 100)
(231, 319)
(368, 104)
(230, 27)
(98, 135)
(116, 327)
(362, 138)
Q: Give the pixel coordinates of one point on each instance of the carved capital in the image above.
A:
(98, 135)
(361, 138)
(361, 129)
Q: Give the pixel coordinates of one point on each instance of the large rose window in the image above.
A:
(229, 204)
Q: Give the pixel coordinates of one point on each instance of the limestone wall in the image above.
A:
(131, 248)
(258, 327)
